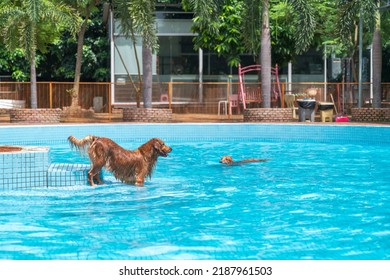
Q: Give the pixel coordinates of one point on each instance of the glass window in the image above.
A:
(177, 56)
(311, 62)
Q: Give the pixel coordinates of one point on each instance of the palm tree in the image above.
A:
(377, 60)
(265, 56)
(304, 24)
(350, 12)
(137, 18)
(31, 25)
(85, 9)
(256, 27)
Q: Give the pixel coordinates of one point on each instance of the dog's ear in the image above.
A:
(157, 144)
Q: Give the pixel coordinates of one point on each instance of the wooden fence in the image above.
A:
(182, 97)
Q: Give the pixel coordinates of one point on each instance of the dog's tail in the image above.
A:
(83, 144)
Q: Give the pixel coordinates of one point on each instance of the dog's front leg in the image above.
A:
(94, 172)
(90, 178)
(139, 181)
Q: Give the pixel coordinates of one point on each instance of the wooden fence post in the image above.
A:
(51, 95)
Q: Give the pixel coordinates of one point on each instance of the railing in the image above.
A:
(57, 94)
(182, 97)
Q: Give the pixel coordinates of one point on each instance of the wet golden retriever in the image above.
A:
(129, 166)
(228, 160)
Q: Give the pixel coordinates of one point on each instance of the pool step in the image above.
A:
(30, 166)
(26, 167)
(67, 174)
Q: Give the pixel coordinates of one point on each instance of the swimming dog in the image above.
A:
(228, 160)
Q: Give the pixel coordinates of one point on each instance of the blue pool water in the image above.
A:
(310, 201)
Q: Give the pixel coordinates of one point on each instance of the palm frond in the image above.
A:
(64, 15)
(144, 21)
(24, 25)
(206, 12)
(137, 18)
(305, 24)
(14, 28)
(252, 28)
(349, 14)
(29, 40)
(121, 12)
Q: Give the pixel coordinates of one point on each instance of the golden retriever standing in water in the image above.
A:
(228, 160)
(131, 167)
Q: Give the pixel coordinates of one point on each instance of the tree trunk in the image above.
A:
(33, 80)
(79, 58)
(265, 57)
(138, 87)
(377, 64)
(147, 74)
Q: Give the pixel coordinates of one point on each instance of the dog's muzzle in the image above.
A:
(165, 151)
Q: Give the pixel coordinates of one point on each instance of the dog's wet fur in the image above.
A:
(128, 166)
(228, 160)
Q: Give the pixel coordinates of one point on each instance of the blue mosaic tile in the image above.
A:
(27, 168)
(46, 135)
(65, 175)
(32, 168)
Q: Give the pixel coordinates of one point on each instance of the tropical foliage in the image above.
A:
(45, 33)
(85, 8)
(137, 18)
(58, 63)
(31, 25)
(14, 63)
(222, 34)
(252, 22)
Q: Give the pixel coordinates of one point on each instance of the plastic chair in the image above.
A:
(326, 115)
(224, 104)
(234, 103)
(289, 99)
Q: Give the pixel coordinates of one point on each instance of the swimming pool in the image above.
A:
(323, 195)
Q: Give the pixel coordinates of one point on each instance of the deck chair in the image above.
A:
(289, 99)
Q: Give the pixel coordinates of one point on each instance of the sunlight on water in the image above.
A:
(310, 201)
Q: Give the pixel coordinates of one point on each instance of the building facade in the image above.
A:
(178, 61)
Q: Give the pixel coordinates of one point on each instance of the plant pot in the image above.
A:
(147, 115)
(35, 115)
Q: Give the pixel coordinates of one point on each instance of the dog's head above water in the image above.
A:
(226, 159)
(160, 147)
